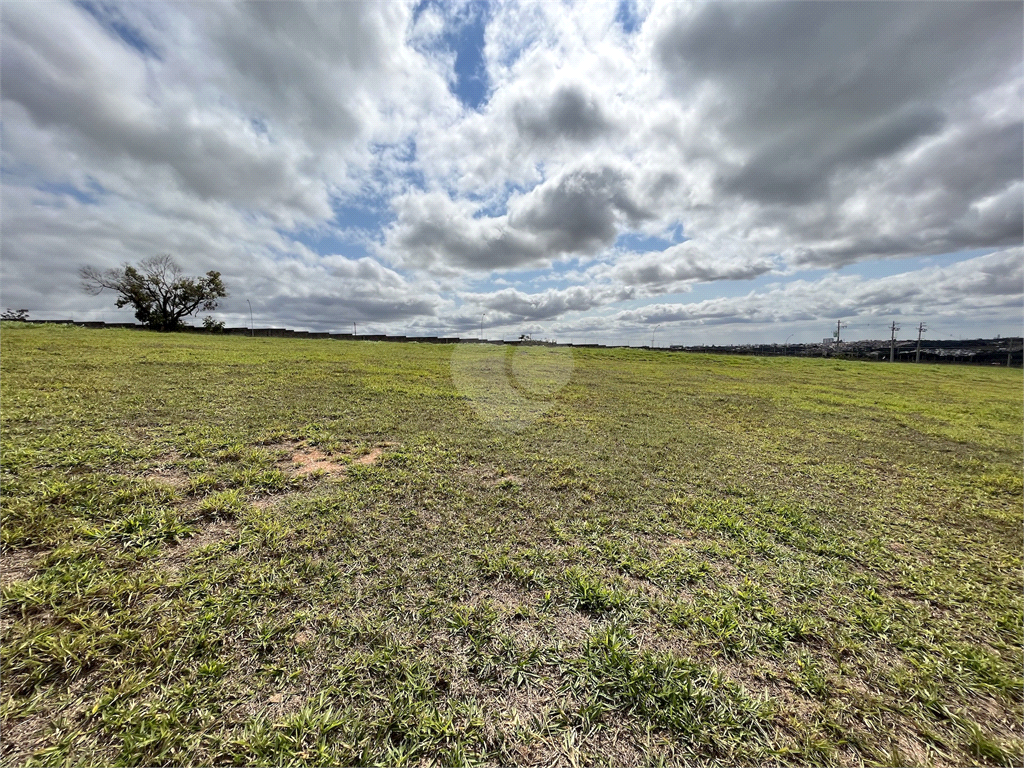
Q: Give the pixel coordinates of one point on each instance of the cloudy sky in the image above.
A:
(595, 172)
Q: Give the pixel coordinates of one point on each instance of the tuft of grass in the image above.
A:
(589, 592)
(222, 504)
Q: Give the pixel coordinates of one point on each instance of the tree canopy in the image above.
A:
(157, 289)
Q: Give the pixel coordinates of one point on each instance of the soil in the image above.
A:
(210, 534)
(17, 566)
(306, 459)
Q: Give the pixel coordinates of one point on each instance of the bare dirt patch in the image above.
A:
(912, 747)
(1001, 717)
(643, 586)
(23, 737)
(571, 627)
(369, 458)
(306, 459)
(176, 556)
(166, 472)
(171, 476)
(17, 566)
(507, 598)
(271, 500)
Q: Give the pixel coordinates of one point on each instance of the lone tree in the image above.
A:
(157, 290)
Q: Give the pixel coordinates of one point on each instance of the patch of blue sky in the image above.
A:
(89, 196)
(471, 81)
(464, 36)
(878, 268)
(110, 17)
(641, 243)
(351, 231)
(362, 218)
(638, 242)
(260, 126)
(328, 243)
(628, 16)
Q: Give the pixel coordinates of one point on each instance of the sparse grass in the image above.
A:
(687, 559)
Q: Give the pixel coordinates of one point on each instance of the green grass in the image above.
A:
(685, 559)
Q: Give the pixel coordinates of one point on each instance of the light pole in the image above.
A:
(482, 325)
(652, 334)
(252, 330)
(787, 342)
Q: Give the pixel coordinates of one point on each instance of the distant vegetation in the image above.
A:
(263, 551)
(157, 290)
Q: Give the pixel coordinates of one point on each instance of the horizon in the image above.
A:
(515, 337)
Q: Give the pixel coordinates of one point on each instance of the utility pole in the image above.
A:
(920, 331)
(652, 334)
(353, 329)
(839, 326)
(892, 342)
(252, 329)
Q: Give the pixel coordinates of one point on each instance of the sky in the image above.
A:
(591, 172)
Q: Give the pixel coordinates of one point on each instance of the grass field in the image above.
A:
(272, 551)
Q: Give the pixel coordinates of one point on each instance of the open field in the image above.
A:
(271, 551)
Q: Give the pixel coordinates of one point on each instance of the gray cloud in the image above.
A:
(433, 231)
(302, 63)
(338, 311)
(828, 68)
(577, 212)
(580, 211)
(100, 107)
(815, 101)
(783, 172)
(570, 114)
(665, 270)
(514, 305)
